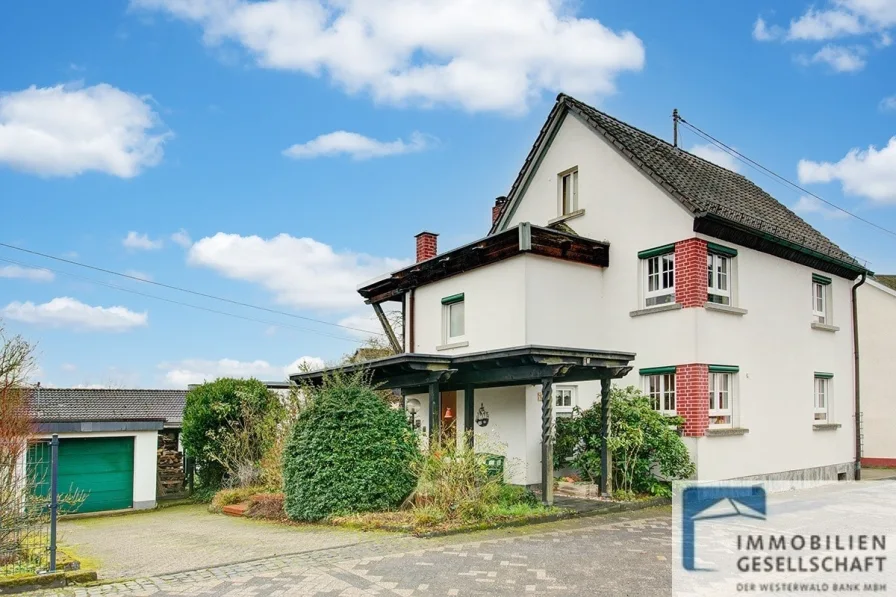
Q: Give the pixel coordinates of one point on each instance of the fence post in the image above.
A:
(54, 503)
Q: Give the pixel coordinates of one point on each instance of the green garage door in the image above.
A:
(103, 468)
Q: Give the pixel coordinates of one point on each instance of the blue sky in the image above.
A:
(279, 152)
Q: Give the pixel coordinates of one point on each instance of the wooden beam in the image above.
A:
(435, 411)
(547, 441)
(604, 434)
(469, 406)
(387, 327)
(507, 376)
(414, 380)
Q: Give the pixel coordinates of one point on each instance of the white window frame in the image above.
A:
(660, 389)
(569, 180)
(663, 273)
(721, 401)
(821, 403)
(558, 393)
(716, 279)
(821, 302)
(447, 338)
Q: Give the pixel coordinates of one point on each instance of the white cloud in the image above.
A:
(66, 312)
(135, 240)
(305, 364)
(867, 173)
(68, 367)
(763, 32)
(66, 130)
(26, 273)
(807, 205)
(362, 325)
(496, 55)
(190, 371)
(818, 25)
(888, 103)
(716, 155)
(840, 58)
(181, 238)
(301, 272)
(138, 274)
(357, 146)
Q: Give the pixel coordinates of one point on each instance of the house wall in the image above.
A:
(145, 462)
(494, 311)
(877, 347)
(505, 434)
(536, 300)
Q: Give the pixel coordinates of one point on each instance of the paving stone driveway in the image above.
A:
(189, 537)
(624, 554)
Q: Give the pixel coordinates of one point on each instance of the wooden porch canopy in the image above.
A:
(523, 238)
(414, 373)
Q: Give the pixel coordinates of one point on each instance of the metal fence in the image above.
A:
(28, 506)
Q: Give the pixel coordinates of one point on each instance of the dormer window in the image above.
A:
(568, 191)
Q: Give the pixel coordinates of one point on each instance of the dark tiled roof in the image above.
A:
(888, 281)
(703, 187)
(61, 404)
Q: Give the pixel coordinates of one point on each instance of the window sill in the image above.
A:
(657, 309)
(724, 308)
(726, 431)
(569, 216)
(825, 426)
(453, 345)
(824, 327)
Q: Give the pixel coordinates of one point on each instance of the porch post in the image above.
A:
(468, 413)
(435, 411)
(547, 441)
(604, 426)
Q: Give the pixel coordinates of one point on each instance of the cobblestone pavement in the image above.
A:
(188, 537)
(624, 554)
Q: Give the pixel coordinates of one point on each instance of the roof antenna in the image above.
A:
(675, 119)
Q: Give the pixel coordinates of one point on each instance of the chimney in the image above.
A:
(499, 205)
(426, 245)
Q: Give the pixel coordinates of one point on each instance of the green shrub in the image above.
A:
(229, 424)
(348, 452)
(646, 452)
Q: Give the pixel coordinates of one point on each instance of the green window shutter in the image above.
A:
(820, 279)
(724, 369)
(454, 298)
(721, 250)
(665, 249)
(656, 370)
(823, 375)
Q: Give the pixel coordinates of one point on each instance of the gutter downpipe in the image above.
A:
(858, 402)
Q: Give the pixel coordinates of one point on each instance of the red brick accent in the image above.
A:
(692, 396)
(427, 247)
(879, 462)
(690, 272)
(496, 210)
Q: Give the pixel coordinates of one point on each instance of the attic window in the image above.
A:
(568, 191)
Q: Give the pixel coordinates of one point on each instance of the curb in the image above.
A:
(569, 514)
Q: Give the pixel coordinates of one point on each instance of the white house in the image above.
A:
(877, 346)
(719, 302)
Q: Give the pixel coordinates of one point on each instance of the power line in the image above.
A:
(187, 290)
(756, 165)
(182, 304)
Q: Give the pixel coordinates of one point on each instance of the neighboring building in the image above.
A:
(109, 441)
(877, 349)
(738, 311)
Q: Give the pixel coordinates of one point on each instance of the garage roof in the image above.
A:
(77, 404)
